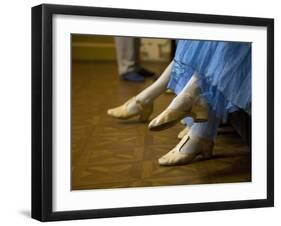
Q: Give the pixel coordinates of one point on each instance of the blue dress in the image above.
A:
(224, 70)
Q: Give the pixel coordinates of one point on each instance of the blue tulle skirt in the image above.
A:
(224, 70)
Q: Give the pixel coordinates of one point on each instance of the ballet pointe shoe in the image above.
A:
(174, 157)
(199, 111)
(143, 111)
(183, 133)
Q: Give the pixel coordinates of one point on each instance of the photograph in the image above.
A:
(139, 112)
(159, 112)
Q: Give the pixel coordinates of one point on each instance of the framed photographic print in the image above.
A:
(145, 112)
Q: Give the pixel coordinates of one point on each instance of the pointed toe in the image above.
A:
(110, 112)
(141, 110)
(153, 123)
(162, 161)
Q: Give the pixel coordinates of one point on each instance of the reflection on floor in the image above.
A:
(108, 153)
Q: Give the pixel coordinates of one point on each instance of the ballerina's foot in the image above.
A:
(166, 119)
(187, 150)
(170, 116)
(130, 109)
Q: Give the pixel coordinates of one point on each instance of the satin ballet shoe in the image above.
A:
(198, 111)
(143, 111)
(183, 133)
(174, 157)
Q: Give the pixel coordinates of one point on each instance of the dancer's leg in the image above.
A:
(187, 96)
(144, 100)
(158, 87)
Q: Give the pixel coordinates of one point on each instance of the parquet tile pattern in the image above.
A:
(108, 153)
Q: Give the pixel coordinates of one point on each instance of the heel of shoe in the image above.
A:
(145, 114)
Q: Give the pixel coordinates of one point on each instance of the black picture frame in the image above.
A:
(42, 106)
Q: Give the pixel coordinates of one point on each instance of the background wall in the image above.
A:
(15, 93)
(102, 48)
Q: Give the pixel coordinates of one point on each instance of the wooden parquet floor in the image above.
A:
(110, 153)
